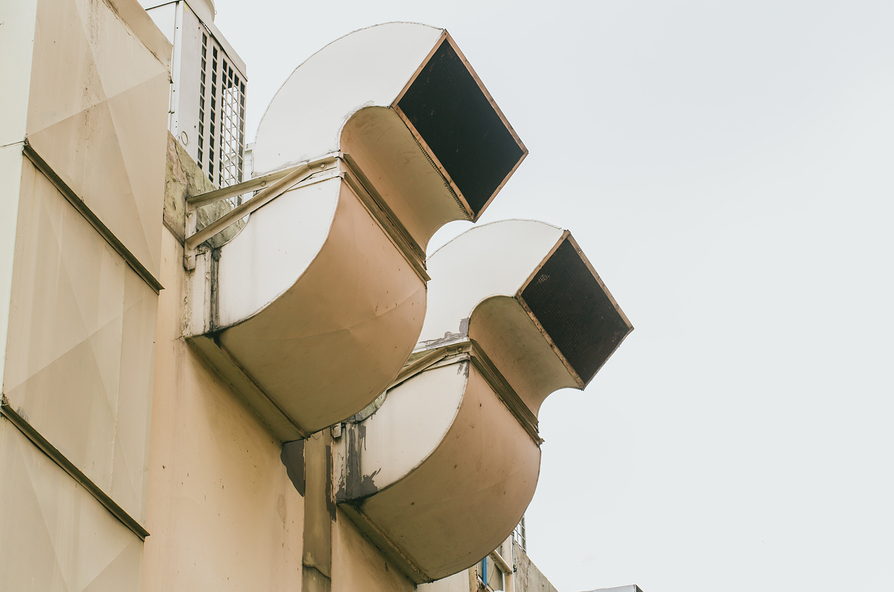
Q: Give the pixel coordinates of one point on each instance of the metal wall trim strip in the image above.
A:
(47, 171)
(75, 473)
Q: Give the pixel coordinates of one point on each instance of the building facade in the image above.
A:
(215, 378)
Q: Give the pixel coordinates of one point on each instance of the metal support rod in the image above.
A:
(197, 201)
(500, 562)
(296, 176)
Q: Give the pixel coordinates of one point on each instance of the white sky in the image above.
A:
(727, 167)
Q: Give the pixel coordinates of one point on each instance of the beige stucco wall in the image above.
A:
(526, 577)
(529, 578)
(358, 565)
(464, 581)
(222, 511)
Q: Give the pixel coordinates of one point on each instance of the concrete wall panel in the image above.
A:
(97, 114)
(81, 343)
(55, 535)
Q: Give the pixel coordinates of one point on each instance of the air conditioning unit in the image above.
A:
(208, 86)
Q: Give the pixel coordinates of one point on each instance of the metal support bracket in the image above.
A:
(282, 181)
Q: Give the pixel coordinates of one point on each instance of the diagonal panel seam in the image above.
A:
(97, 224)
(66, 465)
(46, 525)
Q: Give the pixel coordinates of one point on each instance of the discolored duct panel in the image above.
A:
(575, 310)
(458, 122)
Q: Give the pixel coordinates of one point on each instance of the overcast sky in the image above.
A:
(727, 168)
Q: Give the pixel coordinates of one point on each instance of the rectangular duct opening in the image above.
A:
(575, 310)
(461, 126)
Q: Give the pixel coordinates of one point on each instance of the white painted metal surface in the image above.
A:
(485, 308)
(489, 308)
(317, 304)
(504, 254)
(367, 68)
(343, 99)
(207, 88)
(413, 422)
(446, 471)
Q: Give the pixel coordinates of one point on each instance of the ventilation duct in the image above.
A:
(369, 147)
(402, 101)
(442, 468)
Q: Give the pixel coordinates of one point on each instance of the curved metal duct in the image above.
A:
(313, 308)
(403, 102)
(443, 470)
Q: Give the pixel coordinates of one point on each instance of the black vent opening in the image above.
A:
(461, 127)
(577, 314)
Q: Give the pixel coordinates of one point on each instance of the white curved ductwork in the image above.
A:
(443, 470)
(369, 147)
(403, 103)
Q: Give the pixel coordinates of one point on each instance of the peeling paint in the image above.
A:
(330, 498)
(369, 409)
(366, 486)
(356, 485)
(446, 340)
(464, 326)
(448, 337)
